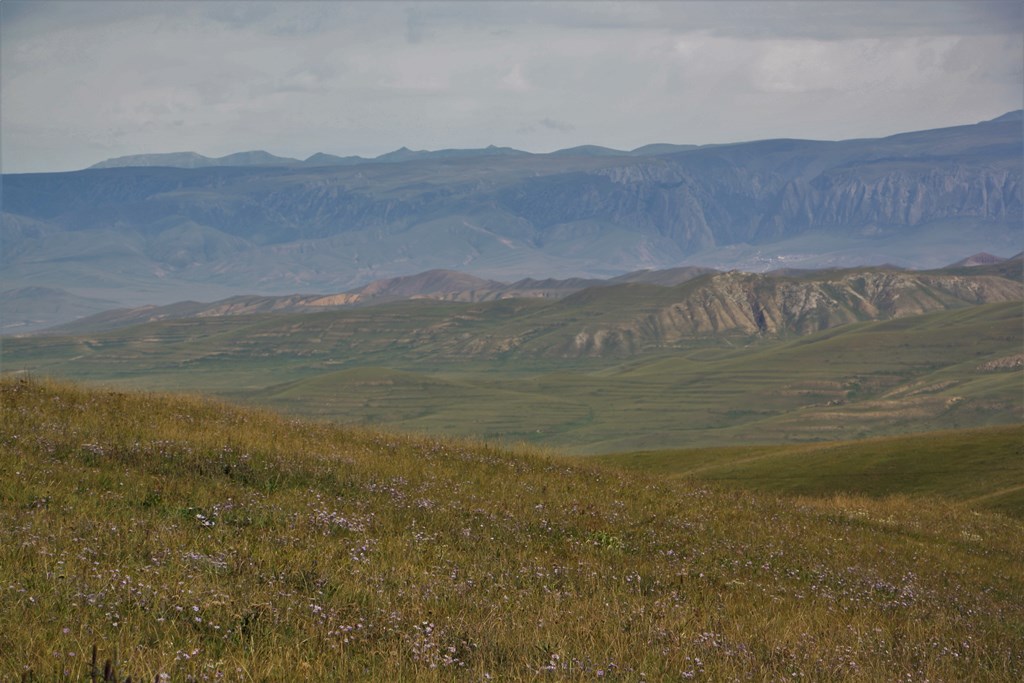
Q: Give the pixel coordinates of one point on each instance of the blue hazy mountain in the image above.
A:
(153, 229)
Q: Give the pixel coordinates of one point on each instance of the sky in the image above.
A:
(83, 81)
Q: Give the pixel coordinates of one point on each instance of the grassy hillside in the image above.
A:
(981, 467)
(187, 538)
(410, 366)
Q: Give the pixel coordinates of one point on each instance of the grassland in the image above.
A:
(983, 468)
(409, 367)
(186, 538)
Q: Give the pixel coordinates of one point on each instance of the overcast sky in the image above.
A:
(82, 81)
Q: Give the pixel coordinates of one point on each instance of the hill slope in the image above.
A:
(441, 285)
(982, 467)
(639, 311)
(194, 540)
(442, 368)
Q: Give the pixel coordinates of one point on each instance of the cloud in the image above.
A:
(87, 80)
(515, 80)
(858, 65)
(560, 126)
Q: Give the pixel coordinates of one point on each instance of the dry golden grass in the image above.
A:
(191, 540)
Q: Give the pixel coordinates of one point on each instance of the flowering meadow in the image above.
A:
(190, 540)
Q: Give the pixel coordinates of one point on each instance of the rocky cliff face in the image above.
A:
(904, 197)
(736, 205)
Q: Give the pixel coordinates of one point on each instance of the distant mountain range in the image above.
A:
(155, 229)
(402, 154)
